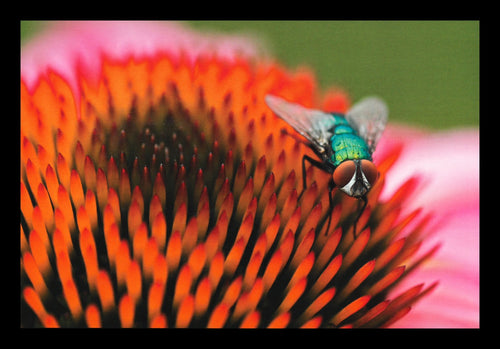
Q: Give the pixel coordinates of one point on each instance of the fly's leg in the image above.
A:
(319, 164)
(365, 202)
(331, 185)
(322, 165)
(304, 158)
(313, 162)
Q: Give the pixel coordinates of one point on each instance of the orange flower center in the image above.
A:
(165, 194)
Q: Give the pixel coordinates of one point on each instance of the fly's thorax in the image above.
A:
(348, 146)
(345, 142)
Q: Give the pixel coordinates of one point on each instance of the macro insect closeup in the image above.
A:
(344, 144)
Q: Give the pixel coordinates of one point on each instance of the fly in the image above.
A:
(344, 144)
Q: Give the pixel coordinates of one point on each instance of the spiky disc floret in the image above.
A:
(166, 195)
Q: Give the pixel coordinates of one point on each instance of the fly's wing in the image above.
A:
(310, 123)
(369, 117)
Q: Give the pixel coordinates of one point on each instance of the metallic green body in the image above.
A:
(345, 142)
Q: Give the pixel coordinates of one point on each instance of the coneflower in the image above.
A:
(162, 193)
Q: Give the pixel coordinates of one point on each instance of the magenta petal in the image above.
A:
(68, 46)
(448, 163)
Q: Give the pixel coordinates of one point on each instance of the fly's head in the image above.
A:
(355, 177)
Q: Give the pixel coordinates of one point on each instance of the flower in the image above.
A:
(157, 190)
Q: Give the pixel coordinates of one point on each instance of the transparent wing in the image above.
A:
(310, 123)
(369, 117)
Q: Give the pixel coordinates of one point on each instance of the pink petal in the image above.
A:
(68, 46)
(448, 162)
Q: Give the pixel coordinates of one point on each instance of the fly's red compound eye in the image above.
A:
(370, 171)
(343, 173)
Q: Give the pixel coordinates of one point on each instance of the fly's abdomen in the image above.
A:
(346, 144)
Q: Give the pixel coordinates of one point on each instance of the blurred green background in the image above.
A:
(427, 71)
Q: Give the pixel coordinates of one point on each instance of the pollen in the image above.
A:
(163, 193)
